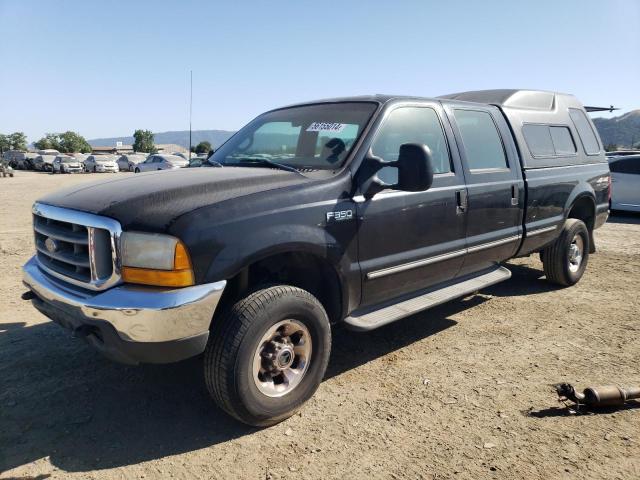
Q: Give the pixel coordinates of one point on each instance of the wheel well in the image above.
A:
(584, 209)
(299, 269)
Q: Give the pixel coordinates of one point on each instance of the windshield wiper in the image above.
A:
(270, 163)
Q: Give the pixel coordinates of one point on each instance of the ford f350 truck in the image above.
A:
(355, 211)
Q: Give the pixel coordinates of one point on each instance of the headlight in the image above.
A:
(155, 259)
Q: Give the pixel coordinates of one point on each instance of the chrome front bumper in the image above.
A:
(137, 314)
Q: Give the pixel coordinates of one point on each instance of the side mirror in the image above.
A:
(415, 170)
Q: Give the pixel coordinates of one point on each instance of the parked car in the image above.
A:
(81, 157)
(29, 161)
(14, 158)
(66, 164)
(200, 162)
(44, 163)
(376, 208)
(625, 179)
(161, 162)
(48, 151)
(127, 163)
(101, 163)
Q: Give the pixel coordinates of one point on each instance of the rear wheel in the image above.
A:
(566, 259)
(268, 354)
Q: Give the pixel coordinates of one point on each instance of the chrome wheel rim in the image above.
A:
(576, 251)
(282, 358)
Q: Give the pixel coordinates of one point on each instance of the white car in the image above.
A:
(161, 162)
(66, 164)
(101, 163)
(625, 183)
(127, 163)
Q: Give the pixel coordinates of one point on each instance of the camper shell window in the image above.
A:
(549, 140)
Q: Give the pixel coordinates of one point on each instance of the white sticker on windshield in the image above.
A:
(326, 127)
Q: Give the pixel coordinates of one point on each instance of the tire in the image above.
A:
(237, 346)
(561, 263)
(137, 170)
(95, 170)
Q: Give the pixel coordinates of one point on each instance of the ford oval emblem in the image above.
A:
(51, 245)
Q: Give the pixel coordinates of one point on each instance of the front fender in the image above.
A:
(275, 239)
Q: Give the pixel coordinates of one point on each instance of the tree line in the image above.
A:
(143, 142)
(67, 142)
(70, 142)
(13, 141)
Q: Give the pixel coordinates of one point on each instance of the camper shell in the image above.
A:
(551, 129)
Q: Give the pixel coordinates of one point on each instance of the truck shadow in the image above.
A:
(524, 281)
(60, 399)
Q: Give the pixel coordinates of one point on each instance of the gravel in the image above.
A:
(461, 391)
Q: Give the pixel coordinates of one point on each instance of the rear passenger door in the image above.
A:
(494, 185)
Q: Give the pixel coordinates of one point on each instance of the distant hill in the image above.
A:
(621, 130)
(215, 137)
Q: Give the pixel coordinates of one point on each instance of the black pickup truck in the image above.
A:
(355, 211)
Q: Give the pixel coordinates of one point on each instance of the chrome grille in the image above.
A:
(78, 247)
(70, 252)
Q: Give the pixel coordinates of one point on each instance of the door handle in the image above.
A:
(514, 195)
(462, 202)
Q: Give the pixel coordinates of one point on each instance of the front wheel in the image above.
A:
(137, 170)
(566, 259)
(268, 354)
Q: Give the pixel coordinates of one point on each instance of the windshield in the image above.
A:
(313, 137)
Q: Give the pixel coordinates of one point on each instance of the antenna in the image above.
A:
(609, 109)
(190, 109)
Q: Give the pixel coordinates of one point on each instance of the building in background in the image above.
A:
(120, 148)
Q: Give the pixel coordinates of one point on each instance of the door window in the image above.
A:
(481, 140)
(411, 125)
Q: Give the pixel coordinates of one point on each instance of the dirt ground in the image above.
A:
(461, 391)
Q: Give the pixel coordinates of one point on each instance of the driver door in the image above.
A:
(409, 241)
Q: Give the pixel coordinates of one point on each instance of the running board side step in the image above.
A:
(391, 313)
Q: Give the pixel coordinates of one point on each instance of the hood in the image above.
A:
(151, 201)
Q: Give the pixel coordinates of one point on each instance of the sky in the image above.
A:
(107, 68)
